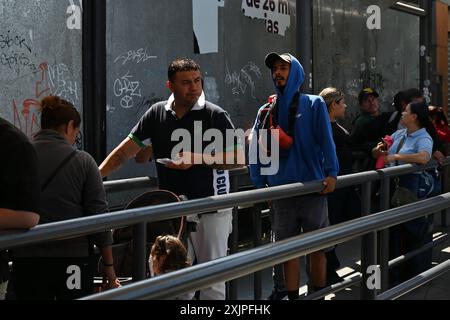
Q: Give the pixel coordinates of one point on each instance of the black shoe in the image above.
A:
(277, 295)
(312, 289)
(333, 278)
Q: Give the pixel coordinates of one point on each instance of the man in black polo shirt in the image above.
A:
(19, 188)
(186, 163)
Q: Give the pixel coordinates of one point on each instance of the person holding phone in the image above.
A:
(192, 174)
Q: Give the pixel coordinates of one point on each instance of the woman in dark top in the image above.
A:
(71, 187)
(343, 204)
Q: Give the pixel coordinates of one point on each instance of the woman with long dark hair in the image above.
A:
(411, 145)
(71, 188)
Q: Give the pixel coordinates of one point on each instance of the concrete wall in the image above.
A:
(233, 37)
(349, 56)
(39, 55)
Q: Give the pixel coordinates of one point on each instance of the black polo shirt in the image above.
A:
(158, 125)
(19, 185)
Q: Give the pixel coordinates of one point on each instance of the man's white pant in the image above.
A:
(3, 288)
(210, 242)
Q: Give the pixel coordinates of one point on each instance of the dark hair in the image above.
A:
(399, 98)
(437, 114)
(173, 251)
(181, 65)
(421, 110)
(57, 112)
(412, 94)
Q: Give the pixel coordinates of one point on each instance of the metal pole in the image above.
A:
(242, 264)
(416, 282)
(305, 41)
(384, 235)
(425, 45)
(94, 78)
(257, 231)
(368, 246)
(139, 251)
(445, 182)
(234, 240)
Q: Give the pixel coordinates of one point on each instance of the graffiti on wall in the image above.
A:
(243, 80)
(16, 53)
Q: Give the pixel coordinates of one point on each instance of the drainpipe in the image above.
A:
(305, 41)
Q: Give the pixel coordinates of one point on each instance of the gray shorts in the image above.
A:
(300, 214)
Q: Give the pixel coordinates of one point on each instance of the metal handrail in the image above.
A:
(150, 182)
(98, 223)
(129, 184)
(357, 276)
(241, 264)
(415, 282)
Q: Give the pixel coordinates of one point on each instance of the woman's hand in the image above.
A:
(379, 150)
(110, 280)
(390, 158)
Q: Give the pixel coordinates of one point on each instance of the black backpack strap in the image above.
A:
(55, 173)
(400, 146)
(292, 113)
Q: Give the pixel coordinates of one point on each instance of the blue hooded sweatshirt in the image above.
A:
(312, 157)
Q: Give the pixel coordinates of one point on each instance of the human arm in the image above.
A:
(224, 153)
(124, 152)
(220, 161)
(19, 189)
(419, 158)
(13, 219)
(324, 135)
(108, 268)
(329, 185)
(419, 153)
(94, 202)
(144, 155)
(379, 151)
(129, 147)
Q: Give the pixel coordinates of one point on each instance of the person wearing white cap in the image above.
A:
(306, 153)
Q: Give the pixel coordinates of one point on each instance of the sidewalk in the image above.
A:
(349, 253)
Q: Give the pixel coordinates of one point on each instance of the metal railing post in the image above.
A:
(257, 231)
(368, 246)
(139, 251)
(445, 182)
(234, 240)
(384, 235)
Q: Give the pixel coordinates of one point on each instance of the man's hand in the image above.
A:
(329, 184)
(185, 161)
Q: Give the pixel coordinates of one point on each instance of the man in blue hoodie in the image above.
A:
(307, 153)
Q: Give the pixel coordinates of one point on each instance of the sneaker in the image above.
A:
(277, 295)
